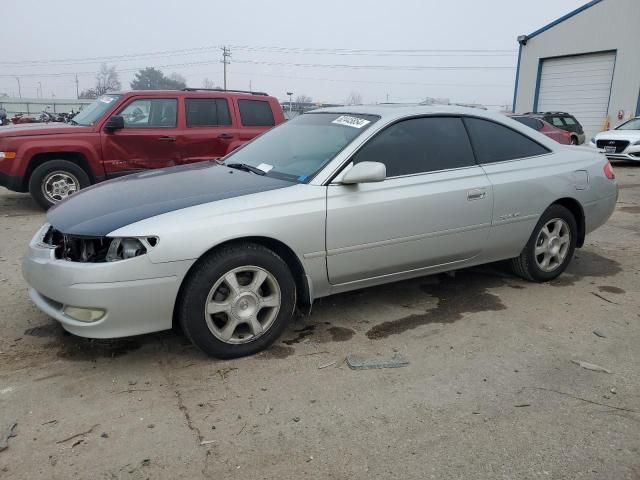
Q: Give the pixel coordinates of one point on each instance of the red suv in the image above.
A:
(123, 133)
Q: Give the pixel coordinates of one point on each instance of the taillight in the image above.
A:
(608, 171)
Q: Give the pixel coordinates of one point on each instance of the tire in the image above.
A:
(531, 266)
(574, 140)
(55, 180)
(228, 328)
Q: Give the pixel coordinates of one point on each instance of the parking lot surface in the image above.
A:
(494, 388)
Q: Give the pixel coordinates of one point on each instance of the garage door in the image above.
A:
(579, 85)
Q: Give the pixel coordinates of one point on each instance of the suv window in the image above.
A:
(529, 122)
(150, 112)
(419, 145)
(208, 112)
(557, 122)
(493, 142)
(569, 120)
(255, 113)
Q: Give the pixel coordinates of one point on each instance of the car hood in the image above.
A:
(29, 129)
(103, 208)
(631, 135)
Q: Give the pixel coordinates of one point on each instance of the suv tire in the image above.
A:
(550, 247)
(55, 180)
(237, 301)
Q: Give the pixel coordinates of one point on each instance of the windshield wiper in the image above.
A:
(246, 168)
(73, 122)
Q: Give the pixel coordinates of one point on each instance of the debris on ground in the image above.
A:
(591, 366)
(10, 432)
(296, 419)
(520, 405)
(78, 434)
(598, 333)
(320, 367)
(207, 442)
(613, 390)
(358, 362)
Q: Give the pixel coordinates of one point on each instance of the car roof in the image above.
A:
(395, 110)
(194, 92)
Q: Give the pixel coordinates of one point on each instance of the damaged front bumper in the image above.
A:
(103, 300)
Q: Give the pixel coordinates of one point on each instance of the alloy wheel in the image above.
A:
(552, 244)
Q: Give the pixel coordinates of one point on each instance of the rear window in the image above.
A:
(569, 121)
(529, 122)
(557, 122)
(493, 142)
(256, 113)
(207, 112)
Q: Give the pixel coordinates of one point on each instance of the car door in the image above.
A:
(148, 139)
(210, 130)
(434, 208)
(523, 172)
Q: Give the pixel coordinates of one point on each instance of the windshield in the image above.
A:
(633, 124)
(298, 149)
(94, 111)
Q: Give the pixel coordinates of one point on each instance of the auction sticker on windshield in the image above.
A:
(349, 121)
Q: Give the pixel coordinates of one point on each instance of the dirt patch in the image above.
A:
(633, 209)
(587, 264)
(303, 333)
(611, 289)
(278, 352)
(85, 349)
(48, 330)
(341, 334)
(466, 293)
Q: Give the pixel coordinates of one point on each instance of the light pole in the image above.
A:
(290, 95)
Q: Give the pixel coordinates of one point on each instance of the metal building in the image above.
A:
(586, 63)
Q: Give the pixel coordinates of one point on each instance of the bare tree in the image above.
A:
(106, 80)
(354, 98)
(206, 83)
(303, 99)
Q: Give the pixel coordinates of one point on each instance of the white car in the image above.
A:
(621, 143)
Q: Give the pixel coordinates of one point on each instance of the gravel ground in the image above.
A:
(491, 391)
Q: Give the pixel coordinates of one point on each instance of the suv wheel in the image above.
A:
(550, 247)
(55, 180)
(574, 140)
(237, 301)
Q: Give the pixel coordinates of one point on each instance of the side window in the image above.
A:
(569, 120)
(529, 122)
(493, 142)
(207, 112)
(151, 112)
(419, 145)
(255, 113)
(557, 122)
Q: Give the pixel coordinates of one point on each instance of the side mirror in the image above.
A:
(365, 172)
(115, 122)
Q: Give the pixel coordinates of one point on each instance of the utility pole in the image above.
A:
(226, 54)
(19, 89)
(40, 90)
(290, 97)
(77, 88)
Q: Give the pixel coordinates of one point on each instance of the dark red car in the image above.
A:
(123, 133)
(560, 136)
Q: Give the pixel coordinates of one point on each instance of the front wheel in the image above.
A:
(550, 247)
(55, 180)
(237, 301)
(574, 140)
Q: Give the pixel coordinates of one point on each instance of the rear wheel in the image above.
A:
(55, 180)
(550, 247)
(237, 301)
(574, 140)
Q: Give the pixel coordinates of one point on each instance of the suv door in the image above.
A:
(148, 139)
(210, 131)
(433, 209)
(256, 117)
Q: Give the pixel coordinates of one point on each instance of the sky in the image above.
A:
(397, 51)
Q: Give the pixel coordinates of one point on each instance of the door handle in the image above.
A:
(225, 136)
(476, 194)
(167, 139)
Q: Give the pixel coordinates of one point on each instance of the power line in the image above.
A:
(288, 50)
(376, 67)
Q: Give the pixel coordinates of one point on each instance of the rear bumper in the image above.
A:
(137, 296)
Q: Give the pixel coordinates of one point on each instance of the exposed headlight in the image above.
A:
(7, 155)
(124, 248)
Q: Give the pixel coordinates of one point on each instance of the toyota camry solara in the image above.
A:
(334, 200)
